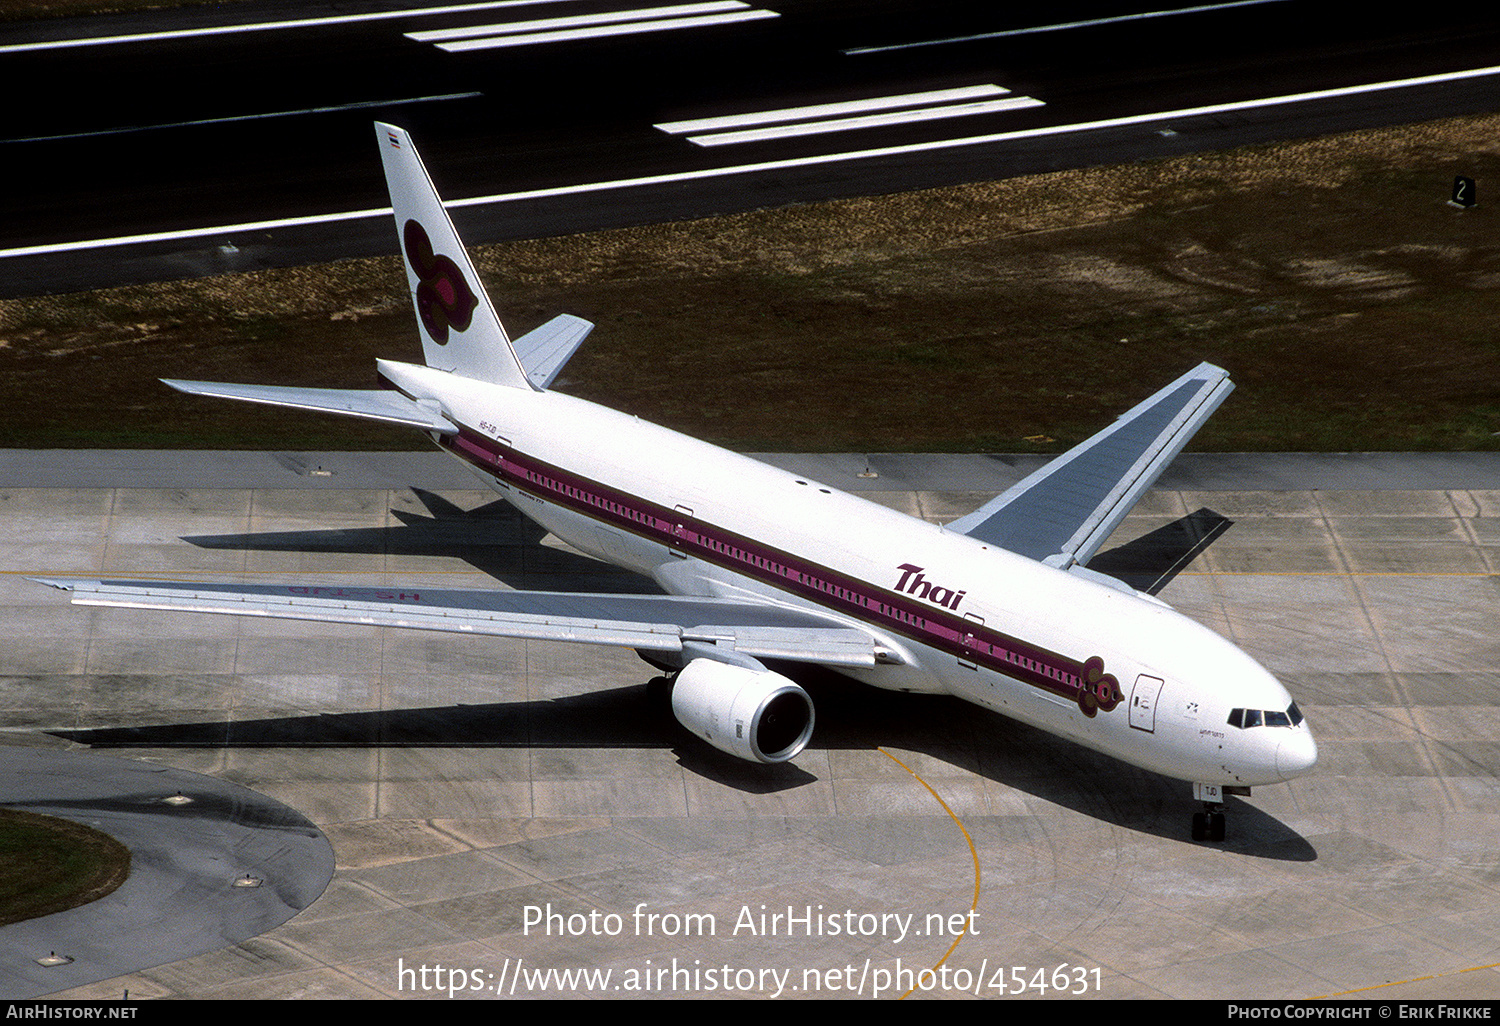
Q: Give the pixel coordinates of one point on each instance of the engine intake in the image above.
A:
(757, 715)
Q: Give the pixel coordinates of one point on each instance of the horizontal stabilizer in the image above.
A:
(1064, 512)
(370, 404)
(659, 623)
(543, 351)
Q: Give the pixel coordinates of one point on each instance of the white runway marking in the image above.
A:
(870, 121)
(1061, 26)
(771, 165)
(266, 26)
(790, 122)
(363, 105)
(823, 110)
(655, 24)
(574, 21)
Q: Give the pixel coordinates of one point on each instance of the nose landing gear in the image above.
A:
(1208, 825)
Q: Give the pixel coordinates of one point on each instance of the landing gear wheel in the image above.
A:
(1209, 825)
(659, 693)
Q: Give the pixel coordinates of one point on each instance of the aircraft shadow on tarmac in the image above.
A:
(497, 541)
(851, 716)
(1150, 562)
(494, 539)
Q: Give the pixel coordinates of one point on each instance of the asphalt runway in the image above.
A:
(501, 811)
(239, 137)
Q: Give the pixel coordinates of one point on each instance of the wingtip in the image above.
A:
(61, 584)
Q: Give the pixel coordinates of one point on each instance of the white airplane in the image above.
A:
(759, 565)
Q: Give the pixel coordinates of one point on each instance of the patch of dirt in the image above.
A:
(35, 10)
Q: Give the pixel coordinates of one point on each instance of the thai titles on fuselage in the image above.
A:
(914, 583)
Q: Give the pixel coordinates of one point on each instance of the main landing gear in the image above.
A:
(1208, 825)
(659, 692)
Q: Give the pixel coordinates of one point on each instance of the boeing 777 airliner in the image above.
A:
(760, 565)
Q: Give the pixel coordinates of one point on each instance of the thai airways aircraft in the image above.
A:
(763, 567)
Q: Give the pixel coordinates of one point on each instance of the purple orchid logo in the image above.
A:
(444, 299)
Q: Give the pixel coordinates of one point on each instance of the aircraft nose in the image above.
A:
(1296, 754)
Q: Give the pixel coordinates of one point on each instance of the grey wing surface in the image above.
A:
(368, 404)
(1064, 512)
(542, 352)
(661, 623)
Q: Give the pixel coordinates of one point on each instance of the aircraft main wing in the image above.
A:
(660, 623)
(1062, 513)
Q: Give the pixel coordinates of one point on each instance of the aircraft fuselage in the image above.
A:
(1119, 673)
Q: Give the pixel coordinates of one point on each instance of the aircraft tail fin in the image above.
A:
(460, 330)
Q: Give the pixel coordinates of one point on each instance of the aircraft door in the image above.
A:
(680, 523)
(969, 642)
(1143, 703)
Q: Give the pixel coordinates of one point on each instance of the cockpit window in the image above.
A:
(1247, 718)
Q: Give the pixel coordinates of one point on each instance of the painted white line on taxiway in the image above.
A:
(363, 105)
(267, 26)
(900, 117)
(770, 165)
(562, 35)
(576, 20)
(821, 110)
(1061, 26)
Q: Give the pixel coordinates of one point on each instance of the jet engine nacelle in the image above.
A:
(756, 715)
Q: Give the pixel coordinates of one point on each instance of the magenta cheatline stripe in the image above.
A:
(892, 610)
